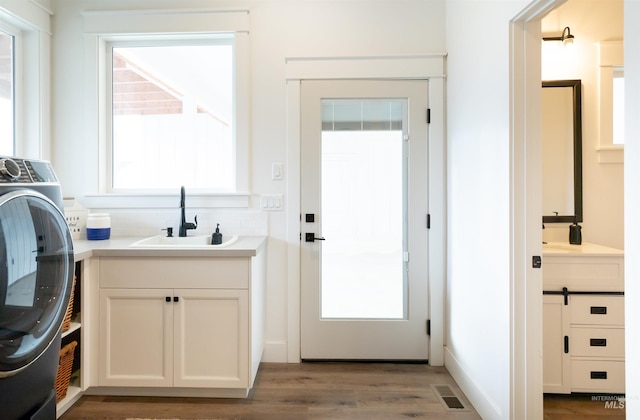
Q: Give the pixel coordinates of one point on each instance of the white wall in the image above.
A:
(478, 118)
(603, 183)
(478, 294)
(279, 29)
(632, 206)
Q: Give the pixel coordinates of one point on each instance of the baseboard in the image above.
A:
(275, 352)
(485, 407)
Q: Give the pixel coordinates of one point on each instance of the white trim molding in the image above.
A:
(525, 388)
(170, 20)
(30, 13)
(426, 66)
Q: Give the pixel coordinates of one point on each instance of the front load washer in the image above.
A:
(36, 277)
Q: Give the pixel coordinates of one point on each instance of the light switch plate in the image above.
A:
(272, 202)
(277, 171)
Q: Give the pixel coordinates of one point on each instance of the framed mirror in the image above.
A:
(561, 151)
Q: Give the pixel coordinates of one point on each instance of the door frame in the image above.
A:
(429, 67)
(526, 384)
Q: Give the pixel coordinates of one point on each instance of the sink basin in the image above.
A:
(188, 242)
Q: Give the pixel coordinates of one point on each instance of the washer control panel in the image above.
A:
(23, 171)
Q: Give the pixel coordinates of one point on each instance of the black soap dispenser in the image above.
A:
(216, 238)
(575, 234)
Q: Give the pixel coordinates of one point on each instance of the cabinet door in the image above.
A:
(136, 337)
(211, 338)
(556, 357)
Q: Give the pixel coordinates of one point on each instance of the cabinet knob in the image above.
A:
(176, 298)
(167, 298)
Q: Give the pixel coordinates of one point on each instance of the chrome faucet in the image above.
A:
(184, 225)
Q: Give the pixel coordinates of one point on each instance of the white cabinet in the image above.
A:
(556, 360)
(174, 338)
(583, 325)
(211, 338)
(597, 343)
(136, 337)
(180, 324)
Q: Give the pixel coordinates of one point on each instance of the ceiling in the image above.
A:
(600, 20)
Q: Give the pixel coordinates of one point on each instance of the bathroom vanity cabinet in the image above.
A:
(180, 325)
(167, 322)
(583, 319)
(158, 337)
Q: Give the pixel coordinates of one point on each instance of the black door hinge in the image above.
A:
(428, 115)
(428, 221)
(429, 327)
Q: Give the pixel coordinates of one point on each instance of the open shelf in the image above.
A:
(74, 392)
(74, 327)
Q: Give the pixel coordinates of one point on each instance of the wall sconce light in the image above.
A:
(566, 37)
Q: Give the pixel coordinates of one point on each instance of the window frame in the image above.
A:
(30, 26)
(618, 73)
(102, 26)
(611, 60)
(15, 34)
(157, 41)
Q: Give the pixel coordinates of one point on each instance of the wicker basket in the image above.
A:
(66, 322)
(64, 370)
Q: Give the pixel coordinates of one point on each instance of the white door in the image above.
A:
(364, 220)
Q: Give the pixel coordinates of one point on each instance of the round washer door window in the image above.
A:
(36, 276)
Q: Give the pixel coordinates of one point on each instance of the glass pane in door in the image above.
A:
(363, 273)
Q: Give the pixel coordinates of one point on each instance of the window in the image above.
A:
(611, 102)
(217, 176)
(618, 106)
(7, 94)
(172, 114)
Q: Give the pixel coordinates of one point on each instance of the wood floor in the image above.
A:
(334, 391)
(583, 407)
(303, 391)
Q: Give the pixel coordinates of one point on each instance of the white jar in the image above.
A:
(98, 226)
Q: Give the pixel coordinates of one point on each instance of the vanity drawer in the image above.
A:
(600, 342)
(597, 376)
(597, 309)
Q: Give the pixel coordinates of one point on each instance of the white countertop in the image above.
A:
(587, 249)
(245, 246)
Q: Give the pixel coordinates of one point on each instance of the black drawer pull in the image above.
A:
(598, 342)
(566, 344)
(599, 375)
(598, 310)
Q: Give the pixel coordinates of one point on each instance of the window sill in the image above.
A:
(155, 201)
(610, 154)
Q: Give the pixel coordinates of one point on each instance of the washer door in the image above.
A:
(36, 276)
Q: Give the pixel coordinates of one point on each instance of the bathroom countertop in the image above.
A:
(245, 246)
(587, 249)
